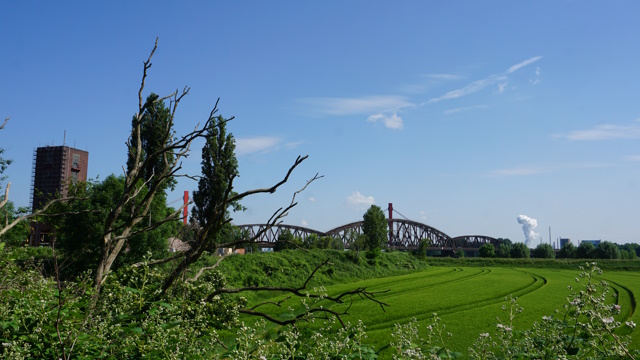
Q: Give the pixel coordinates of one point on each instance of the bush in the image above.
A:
(544, 251)
(568, 251)
(486, 251)
(586, 250)
(520, 251)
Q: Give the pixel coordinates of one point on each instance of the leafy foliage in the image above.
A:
(219, 167)
(79, 232)
(486, 251)
(586, 250)
(519, 251)
(155, 133)
(374, 228)
(568, 251)
(18, 234)
(544, 251)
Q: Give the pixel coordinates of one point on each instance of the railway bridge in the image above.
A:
(404, 234)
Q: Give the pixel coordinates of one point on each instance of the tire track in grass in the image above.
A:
(536, 282)
(629, 292)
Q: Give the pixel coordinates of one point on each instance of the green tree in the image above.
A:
(544, 251)
(486, 250)
(374, 228)
(422, 248)
(504, 250)
(607, 250)
(520, 251)
(156, 132)
(586, 250)
(632, 248)
(568, 251)
(286, 241)
(219, 168)
(79, 231)
(19, 232)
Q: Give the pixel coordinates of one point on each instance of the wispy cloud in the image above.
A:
(250, 145)
(444, 77)
(520, 65)
(535, 169)
(359, 105)
(604, 132)
(427, 82)
(304, 223)
(519, 171)
(311, 199)
(483, 83)
(359, 201)
(537, 78)
(392, 121)
(469, 89)
(632, 158)
(464, 109)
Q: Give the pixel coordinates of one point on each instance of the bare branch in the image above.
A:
(309, 313)
(4, 201)
(202, 270)
(40, 212)
(277, 216)
(160, 261)
(6, 120)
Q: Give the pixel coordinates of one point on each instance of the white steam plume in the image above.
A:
(528, 224)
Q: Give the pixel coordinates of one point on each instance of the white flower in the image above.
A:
(484, 335)
(608, 320)
(630, 324)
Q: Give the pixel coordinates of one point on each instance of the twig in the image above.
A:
(202, 270)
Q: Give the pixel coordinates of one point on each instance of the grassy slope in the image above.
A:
(467, 294)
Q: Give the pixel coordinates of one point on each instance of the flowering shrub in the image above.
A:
(41, 318)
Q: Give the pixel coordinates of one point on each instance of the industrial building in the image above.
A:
(54, 169)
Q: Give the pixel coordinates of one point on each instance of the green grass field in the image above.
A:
(469, 299)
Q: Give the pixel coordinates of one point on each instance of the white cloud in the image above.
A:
(604, 132)
(520, 65)
(304, 223)
(519, 171)
(502, 86)
(392, 122)
(470, 88)
(311, 199)
(537, 79)
(544, 168)
(444, 77)
(256, 144)
(483, 83)
(359, 201)
(464, 109)
(360, 105)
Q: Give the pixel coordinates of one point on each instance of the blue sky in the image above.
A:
(462, 114)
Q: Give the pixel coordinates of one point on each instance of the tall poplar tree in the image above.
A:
(219, 167)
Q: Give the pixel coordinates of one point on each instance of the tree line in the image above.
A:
(585, 250)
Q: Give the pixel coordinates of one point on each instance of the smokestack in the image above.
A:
(528, 224)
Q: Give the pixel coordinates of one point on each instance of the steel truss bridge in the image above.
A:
(403, 235)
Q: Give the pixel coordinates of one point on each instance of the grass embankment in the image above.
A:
(468, 294)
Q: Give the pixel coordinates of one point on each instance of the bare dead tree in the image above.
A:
(134, 204)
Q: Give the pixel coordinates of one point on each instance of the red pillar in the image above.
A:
(185, 211)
